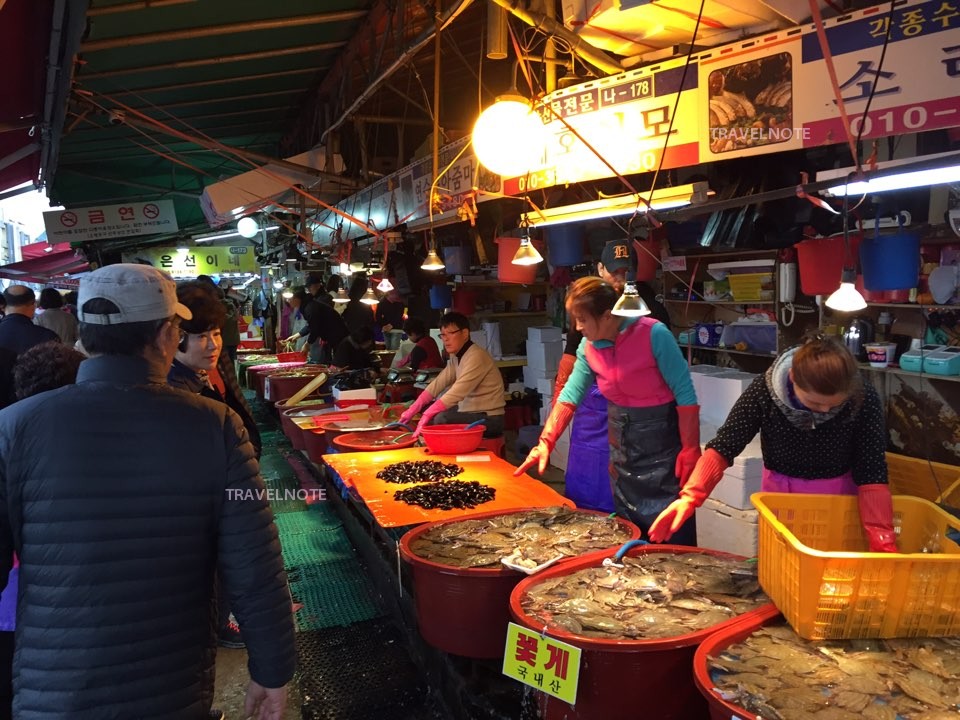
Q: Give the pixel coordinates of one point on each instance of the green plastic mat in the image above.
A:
(333, 594)
(306, 522)
(284, 507)
(280, 483)
(300, 551)
(273, 462)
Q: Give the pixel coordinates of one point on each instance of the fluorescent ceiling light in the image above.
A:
(662, 199)
(895, 175)
(225, 235)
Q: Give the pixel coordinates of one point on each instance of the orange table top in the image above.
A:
(359, 471)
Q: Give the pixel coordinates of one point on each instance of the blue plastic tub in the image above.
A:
(565, 244)
(890, 262)
(456, 259)
(441, 297)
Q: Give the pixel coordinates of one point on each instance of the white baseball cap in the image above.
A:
(140, 292)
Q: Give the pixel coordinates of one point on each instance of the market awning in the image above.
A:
(43, 269)
(24, 40)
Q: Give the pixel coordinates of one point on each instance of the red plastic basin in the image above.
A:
(465, 611)
(452, 439)
(373, 441)
(720, 709)
(621, 678)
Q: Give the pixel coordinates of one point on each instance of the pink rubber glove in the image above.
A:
(557, 422)
(419, 404)
(428, 415)
(688, 423)
(876, 515)
(706, 475)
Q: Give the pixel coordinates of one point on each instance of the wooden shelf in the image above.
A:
(914, 306)
(729, 351)
(497, 283)
(521, 313)
(703, 252)
(908, 373)
(720, 302)
(516, 362)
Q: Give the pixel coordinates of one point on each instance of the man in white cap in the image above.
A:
(122, 524)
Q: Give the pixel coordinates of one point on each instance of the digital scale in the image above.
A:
(912, 360)
(942, 362)
(425, 377)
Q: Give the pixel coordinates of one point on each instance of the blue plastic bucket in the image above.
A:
(441, 297)
(456, 260)
(890, 262)
(565, 244)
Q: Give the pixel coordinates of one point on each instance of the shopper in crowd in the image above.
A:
(325, 293)
(653, 416)
(55, 318)
(355, 351)
(357, 313)
(121, 529)
(296, 321)
(390, 309)
(43, 367)
(324, 331)
(425, 353)
(17, 331)
(821, 431)
(230, 330)
(587, 479)
(471, 384)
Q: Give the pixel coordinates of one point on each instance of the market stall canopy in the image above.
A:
(24, 38)
(43, 262)
(270, 187)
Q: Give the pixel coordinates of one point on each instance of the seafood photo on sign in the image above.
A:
(533, 537)
(776, 675)
(751, 104)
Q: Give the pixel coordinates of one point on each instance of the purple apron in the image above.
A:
(772, 481)
(8, 599)
(588, 472)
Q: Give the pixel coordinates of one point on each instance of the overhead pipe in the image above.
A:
(589, 54)
(498, 37)
(225, 29)
(133, 6)
(217, 81)
(418, 44)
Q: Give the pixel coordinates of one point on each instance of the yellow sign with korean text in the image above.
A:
(214, 260)
(542, 662)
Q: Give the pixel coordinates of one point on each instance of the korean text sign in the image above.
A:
(542, 662)
(105, 222)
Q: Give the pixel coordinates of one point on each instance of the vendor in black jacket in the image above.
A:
(354, 351)
(324, 331)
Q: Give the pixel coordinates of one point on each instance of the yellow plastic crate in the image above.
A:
(746, 287)
(932, 481)
(814, 565)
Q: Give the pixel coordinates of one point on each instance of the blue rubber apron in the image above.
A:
(644, 444)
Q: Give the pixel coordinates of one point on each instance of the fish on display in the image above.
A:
(777, 675)
(535, 536)
(652, 596)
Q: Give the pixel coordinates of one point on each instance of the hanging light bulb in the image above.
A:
(369, 298)
(341, 296)
(385, 285)
(847, 298)
(508, 137)
(248, 227)
(630, 303)
(286, 294)
(432, 261)
(278, 285)
(345, 269)
(526, 254)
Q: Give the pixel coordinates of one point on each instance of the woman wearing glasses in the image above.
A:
(471, 384)
(821, 431)
(653, 419)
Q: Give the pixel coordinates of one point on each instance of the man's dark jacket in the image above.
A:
(18, 333)
(121, 519)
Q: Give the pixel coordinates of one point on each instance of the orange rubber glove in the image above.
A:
(428, 415)
(703, 480)
(557, 422)
(688, 422)
(563, 374)
(416, 407)
(876, 514)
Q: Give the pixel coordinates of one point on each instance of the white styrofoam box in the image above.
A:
(364, 394)
(725, 528)
(515, 387)
(479, 337)
(545, 385)
(735, 491)
(558, 458)
(544, 333)
(720, 392)
(532, 375)
(544, 413)
(544, 355)
(749, 463)
(698, 372)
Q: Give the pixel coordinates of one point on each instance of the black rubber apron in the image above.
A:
(644, 444)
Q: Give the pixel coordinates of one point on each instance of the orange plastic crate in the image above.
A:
(814, 565)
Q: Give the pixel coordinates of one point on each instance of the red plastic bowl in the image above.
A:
(452, 439)
(373, 440)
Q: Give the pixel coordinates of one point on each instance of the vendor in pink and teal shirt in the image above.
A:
(653, 418)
